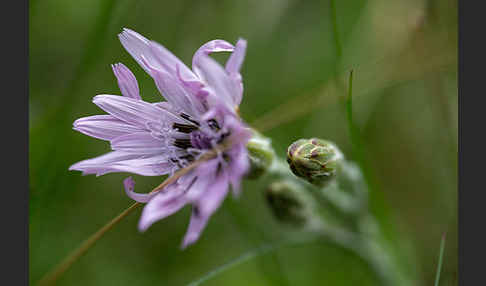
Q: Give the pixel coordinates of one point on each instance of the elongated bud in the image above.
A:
(314, 160)
(289, 202)
(261, 155)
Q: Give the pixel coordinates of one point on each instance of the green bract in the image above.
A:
(261, 155)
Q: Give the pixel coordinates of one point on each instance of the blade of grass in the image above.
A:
(299, 106)
(352, 129)
(441, 255)
(269, 247)
(52, 276)
(337, 40)
(255, 235)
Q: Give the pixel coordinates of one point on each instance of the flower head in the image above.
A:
(315, 160)
(153, 139)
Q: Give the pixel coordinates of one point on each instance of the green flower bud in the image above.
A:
(261, 155)
(314, 160)
(289, 202)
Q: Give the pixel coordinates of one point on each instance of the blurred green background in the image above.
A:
(404, 55)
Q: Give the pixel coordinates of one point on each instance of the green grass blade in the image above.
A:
(352, 129)
(247, 256)
(337, 40)
(441, 255)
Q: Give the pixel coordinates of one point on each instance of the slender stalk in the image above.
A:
(62, 267)
(255, 234)
(337, 40)
(376, 257)
(367, 241)
(441, 255)
(304, 104)
(352, 129)
(288, 111)
(52, 276)
(247, 256)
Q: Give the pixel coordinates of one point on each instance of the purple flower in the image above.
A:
(153, 139)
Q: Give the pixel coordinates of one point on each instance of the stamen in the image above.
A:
(183, 143)
(213, 124)
(195, 211)
(226, 158)
(188, 118)
(219, 168)
(184, 128)
(187, 157)
(177, 162)
(224, 135)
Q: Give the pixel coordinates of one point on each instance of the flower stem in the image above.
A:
(51, 277)
(365, 239)
(337, 41)
(266, 248)
(441, 255)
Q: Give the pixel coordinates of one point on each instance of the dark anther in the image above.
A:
(176, 161)
(184, 128)
(213, 124)
(224, 135)
(188, 118)
(195, 210)
(183, 143)
(219, 168)
(187, 157)
(226, 158)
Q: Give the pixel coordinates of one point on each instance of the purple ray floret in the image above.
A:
(153, 139)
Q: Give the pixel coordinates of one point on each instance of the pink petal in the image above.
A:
(104, 127)
(196, 226)
(161, 206)
(211, 47)
(139, 143)
(118, 161)
(126, 81)
(214, 195)
(233, 66)
(217, 80)
(129, 185)
(133, 111)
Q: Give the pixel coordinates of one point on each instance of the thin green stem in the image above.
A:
(441, 255)
(337, 40)
(269, 247)
(355, 137)
(366, 241)
(352, 129)
(245, 257)
(254, 234)
(62, 267)
(52, 276)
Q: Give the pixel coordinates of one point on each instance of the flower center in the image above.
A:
(201, 137)
(200, 140)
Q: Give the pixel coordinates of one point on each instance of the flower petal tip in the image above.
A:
(189, 240)
(143, 226)
(241, 42)
(129, 184)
